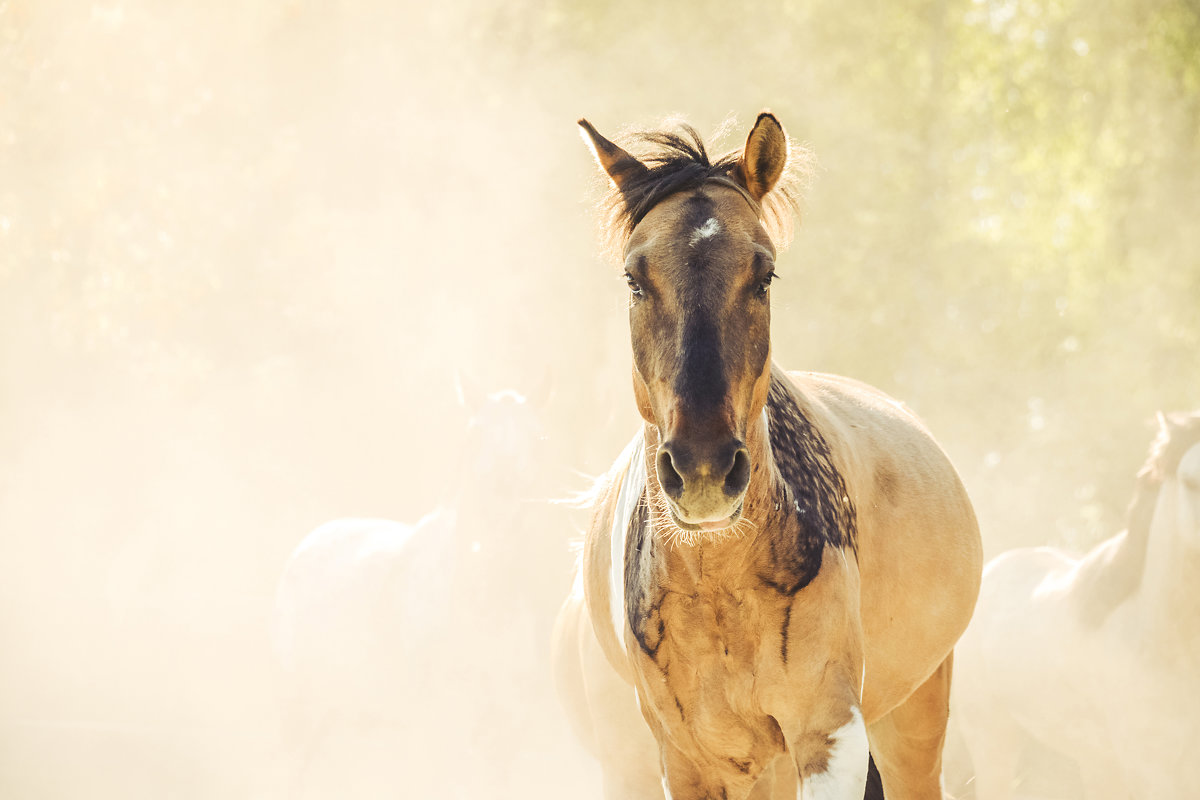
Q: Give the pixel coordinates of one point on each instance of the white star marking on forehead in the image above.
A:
(708, 229)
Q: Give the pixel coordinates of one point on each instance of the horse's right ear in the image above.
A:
(616, 163)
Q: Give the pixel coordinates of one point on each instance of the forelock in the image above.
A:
(677, 160)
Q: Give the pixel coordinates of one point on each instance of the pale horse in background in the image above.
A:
(1097, 657)
(431, 636)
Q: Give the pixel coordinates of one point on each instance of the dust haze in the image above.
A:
(248, 250)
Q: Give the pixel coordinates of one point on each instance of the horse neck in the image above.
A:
(1168, 603)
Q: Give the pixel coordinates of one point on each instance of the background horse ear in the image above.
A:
(765, 156)
(618, 164)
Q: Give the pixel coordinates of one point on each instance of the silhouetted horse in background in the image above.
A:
(427, 641)
(1097, 657)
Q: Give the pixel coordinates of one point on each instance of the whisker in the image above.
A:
(672, 535)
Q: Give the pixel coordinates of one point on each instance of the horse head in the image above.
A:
(699, 263)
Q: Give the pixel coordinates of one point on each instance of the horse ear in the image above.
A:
(765, 156)
(618, 164)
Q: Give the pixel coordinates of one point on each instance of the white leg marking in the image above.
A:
(845, 776)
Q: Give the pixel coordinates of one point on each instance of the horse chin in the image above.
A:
(707, 526)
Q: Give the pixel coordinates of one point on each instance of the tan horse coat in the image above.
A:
(779, 566)
(872, 631)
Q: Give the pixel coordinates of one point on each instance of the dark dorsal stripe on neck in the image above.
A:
(813, 493)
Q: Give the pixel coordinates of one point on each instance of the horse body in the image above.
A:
(780, 591)
(1022, 646)
(348, 591)
(418, 644)
(1103, 670)
(768, 667)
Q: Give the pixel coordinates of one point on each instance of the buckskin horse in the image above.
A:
(779, 564)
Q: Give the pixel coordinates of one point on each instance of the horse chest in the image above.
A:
(720, 634)
(713, 652)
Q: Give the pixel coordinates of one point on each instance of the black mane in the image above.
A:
(678, 162)
(813, 493)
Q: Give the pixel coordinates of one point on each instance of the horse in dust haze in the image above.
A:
(1097, 657)
(412, 636)
(779, 564)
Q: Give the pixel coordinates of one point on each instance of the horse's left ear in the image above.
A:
(765, 156)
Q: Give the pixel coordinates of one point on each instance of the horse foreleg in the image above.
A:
(906, 744)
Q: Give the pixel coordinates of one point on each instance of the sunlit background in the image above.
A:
(246, 248)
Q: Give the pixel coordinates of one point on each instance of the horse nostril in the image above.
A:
(668, 477)
(738, 477)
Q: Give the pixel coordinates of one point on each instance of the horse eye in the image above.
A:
(633, 285)
(766, 284)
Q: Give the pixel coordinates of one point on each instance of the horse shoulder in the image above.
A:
(911, 505)
(919, 550)
(888, 457)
